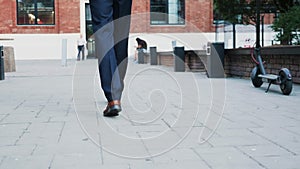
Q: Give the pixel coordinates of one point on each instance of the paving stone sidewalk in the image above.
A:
(51, 118)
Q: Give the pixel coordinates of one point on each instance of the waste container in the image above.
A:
(91, 48)
(179, 58)
(2, 76)
(215, 60)
(153, 56)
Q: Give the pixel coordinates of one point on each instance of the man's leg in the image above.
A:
(78, 54)
(102, 16)
(121, 15)
(82, 52)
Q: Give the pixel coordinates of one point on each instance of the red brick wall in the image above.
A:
(67, 20)
(198, 15)
(192, 60)
(6, 15)
(241, 64)
(68, 16)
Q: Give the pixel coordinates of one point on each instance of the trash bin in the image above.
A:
(153, 56)
(215, 60)
(2, 75)
(179, 58)
(91, 48)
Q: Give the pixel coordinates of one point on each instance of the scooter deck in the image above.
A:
(268, 76)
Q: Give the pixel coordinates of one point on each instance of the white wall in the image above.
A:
(45, 46)
(246, 36)
(41, 46)
(163, 41)
(49, 46)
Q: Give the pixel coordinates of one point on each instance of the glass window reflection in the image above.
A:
(35, 12)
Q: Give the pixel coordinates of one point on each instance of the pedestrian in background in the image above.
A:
(142, 47)
(81, 42)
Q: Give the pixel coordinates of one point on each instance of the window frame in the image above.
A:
(181, 17)
(36, 13)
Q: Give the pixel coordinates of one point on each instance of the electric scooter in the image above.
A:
(259, 75)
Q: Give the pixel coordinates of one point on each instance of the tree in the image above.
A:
(284, 5)
(238, 11)
(244, 12)
(229, 10)
(288, 25)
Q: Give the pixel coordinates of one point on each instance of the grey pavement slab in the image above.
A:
(267, 150)
(227, 157)
(277, 162)
(51, 117)
(26, 162)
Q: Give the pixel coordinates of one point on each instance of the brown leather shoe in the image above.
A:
(112, 109)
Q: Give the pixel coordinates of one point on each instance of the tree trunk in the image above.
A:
(284, 42)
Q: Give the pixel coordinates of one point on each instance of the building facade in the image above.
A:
(39, 16)
(36, 28)
(65, 16)
(172, 16)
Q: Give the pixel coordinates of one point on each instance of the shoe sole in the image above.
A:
(112, 113)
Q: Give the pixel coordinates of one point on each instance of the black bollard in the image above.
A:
(153, 56)
(2, 75)
(215, 60)
(179, 59)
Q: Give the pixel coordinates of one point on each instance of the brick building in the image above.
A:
(37, 27)
(56, 17)
(188, 16)
(64, 16)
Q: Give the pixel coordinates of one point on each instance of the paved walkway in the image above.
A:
(51, 118)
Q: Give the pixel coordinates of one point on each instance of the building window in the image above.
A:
(88, 21)
(35, 12)
(167, 12)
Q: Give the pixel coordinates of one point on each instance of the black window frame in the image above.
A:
(166, 13)
(36, 13)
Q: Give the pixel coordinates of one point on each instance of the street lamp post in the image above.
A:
(262, 30)
(257, 47)
(258, 24)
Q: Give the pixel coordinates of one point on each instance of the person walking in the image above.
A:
(81, 42)
(111, 24)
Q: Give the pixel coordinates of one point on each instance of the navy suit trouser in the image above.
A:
(111, 24)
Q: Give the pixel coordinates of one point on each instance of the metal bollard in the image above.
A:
(215, 60)
(179, 59)
(153, 56)
(2, 75)
(64, 52)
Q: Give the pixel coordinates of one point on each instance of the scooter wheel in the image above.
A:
(256, 81)
(286, 84)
